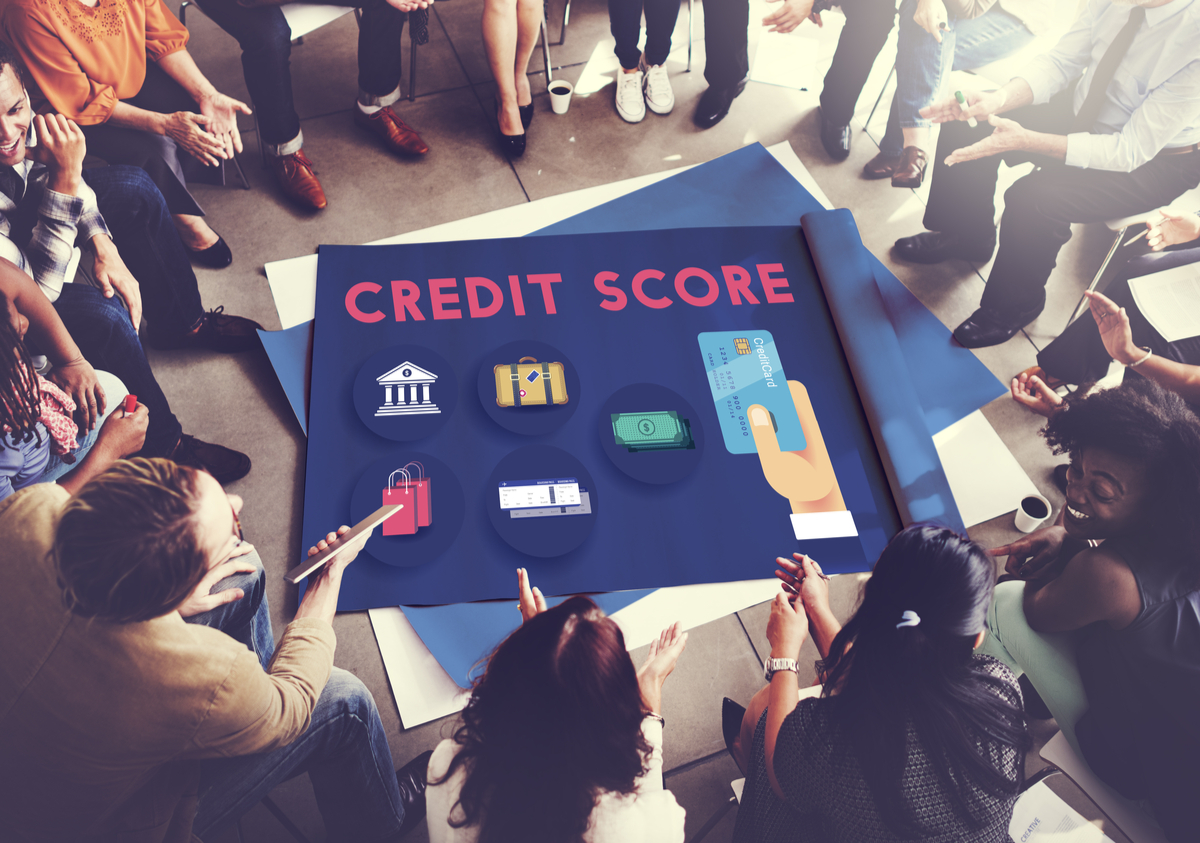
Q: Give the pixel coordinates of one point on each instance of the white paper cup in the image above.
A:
(1032, 512)
(560, 95)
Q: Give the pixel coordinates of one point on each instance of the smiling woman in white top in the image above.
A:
(561, 741)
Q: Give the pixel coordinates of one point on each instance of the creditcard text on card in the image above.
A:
(743, 368)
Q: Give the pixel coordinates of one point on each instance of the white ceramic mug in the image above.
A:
(1032, 512)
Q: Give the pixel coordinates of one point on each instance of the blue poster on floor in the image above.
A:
(611, 411)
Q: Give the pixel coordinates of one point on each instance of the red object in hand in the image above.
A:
(130, 404)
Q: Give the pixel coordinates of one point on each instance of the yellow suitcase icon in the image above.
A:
(530, 383)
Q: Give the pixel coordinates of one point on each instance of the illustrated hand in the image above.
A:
(805, 477)
(664, 654)
(124, 433)
(78, 379)
(530, 602)
(932, 17)
(1115, 330)
(1031, 392)
(1031, 557)
(221, 112)
(980, 105)
(787, 627)
(62, 148)
(1007, 136)
(1172, 229)
(112, 274)
(201, 601)
(338, 563)
(789, 15)
(188, 130)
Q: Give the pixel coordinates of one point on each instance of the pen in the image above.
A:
(971, 121)
(1136, 238)
(130, 405)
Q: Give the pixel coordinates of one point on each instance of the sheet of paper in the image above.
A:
(1135, 824)
(303, 18)
(423, 690)
(1040, 816)
(293, 281)
(985, 478)
(1170, 301)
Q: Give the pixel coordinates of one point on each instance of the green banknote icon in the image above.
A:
(651, 431)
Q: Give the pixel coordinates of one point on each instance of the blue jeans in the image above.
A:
(922, 64)
(103, 332)
(344, 750)
(149, 243)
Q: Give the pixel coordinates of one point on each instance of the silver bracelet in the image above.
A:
(1149, 354)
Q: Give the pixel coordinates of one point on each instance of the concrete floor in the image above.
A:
(237, 401)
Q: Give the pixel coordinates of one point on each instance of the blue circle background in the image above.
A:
(368, 394)
(447, 502)
(543, 537)
(658, 467)
(528, 421)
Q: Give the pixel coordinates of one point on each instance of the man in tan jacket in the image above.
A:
(121, 721)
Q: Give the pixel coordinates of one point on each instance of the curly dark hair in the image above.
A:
(553, 722)
(1141, 421)
(20, 398)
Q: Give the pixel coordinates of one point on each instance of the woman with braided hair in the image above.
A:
(1106, 625)
(912, 735)
(39, 439)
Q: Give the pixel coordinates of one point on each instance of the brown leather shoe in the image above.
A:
(881, 167)
(298, 179)
(398, 135)
(910, 169)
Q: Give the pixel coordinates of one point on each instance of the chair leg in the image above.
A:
(412, 67)
(713, 820)
(546, 50)
(241, 175)
(183, 12)
(688, 69)
(562, 33)
(1040, 776)
(283, 820)
(1112, 251)
(879, 98)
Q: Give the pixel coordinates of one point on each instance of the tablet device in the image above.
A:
(317, 560)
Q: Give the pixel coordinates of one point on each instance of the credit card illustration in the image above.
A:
(743, 369)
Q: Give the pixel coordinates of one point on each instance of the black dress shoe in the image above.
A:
(937, 246)
(412, 781)
(526, 114)
(985, 327)
(216, 256)
(731, 721)
(835, 139)
(714, 104)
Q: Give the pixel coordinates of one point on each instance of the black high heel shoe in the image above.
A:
(731, 721)
(512, 145)
(526, 114)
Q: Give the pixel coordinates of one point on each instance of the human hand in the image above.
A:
(787, 627)
(530, 601)
(124, 433)
(1172, 229)
(1006, 136)
(200, 600)
(1031, 557)
(62, 148)
(188, 130)
(78, 379)
(337, 564)
(932, 17)
(805, 477)
(804, 579)
(410, 5)
(979, 105)
(1031, 392)
(1115, 330)
(222, 112)
(789, 15)
(660, 661)
(112, 274)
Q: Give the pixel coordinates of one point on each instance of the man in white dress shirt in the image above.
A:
(1120, 141)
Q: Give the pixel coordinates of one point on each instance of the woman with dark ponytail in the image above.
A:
(1106, 624)
(911, 736)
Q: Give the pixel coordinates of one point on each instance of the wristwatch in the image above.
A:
(773, 666)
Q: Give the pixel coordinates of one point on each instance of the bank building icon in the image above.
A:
(406, 391)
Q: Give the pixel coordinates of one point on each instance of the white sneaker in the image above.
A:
(659, 97)
(631, 105)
